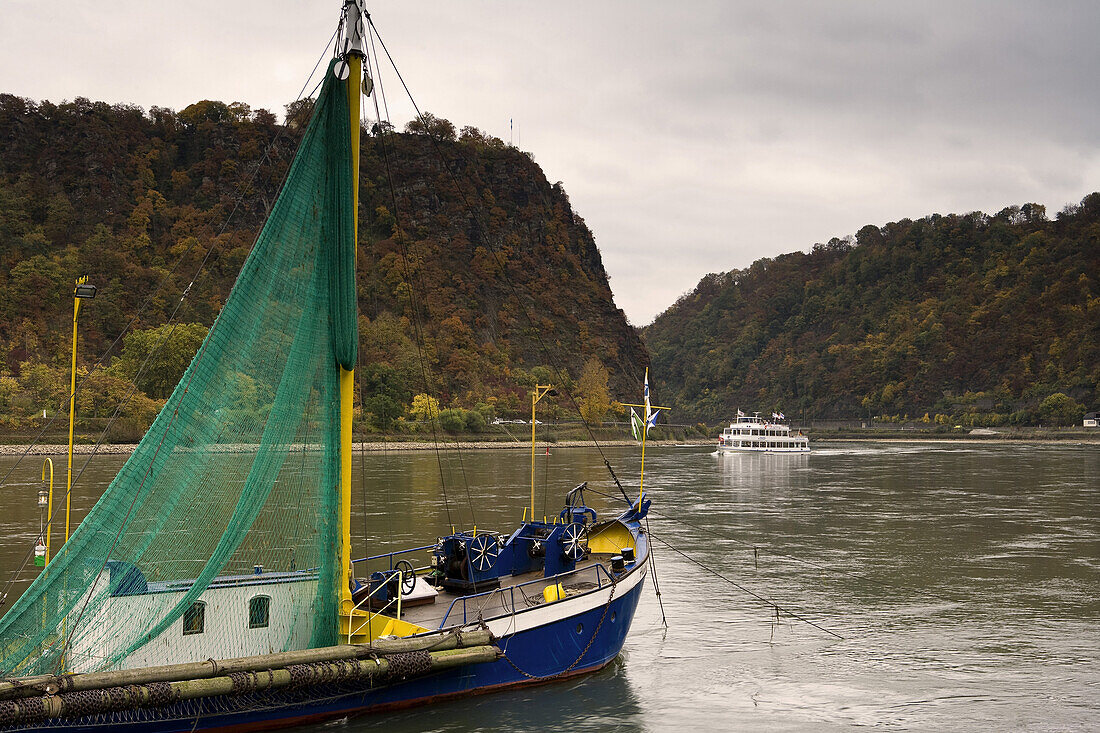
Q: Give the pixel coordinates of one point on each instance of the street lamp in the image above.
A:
(41, 548)
(40, 544)
(80, 292)
(83, 290)
(47, 493)
(541, 390)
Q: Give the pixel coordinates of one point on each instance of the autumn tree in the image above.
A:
(298, 113)
(41, 387)
(1060, 409)
(429, 124)
(593, 396)
(384, 394)
(102, 394)
(424, 408)
(156, 358)
(453, 420)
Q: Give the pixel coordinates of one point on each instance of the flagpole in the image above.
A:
(649, 414)
(645, 430)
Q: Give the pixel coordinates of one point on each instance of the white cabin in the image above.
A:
(236, 616)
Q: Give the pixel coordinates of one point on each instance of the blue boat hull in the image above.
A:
(574, 644)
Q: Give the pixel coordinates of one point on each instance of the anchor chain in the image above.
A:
(595, 633)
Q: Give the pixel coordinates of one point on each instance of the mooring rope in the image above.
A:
(653, 569)
(735, 584)
(756, 550)
(838, 571)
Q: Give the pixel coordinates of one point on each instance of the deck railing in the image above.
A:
(600, 576)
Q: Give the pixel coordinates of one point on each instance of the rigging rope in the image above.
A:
(547, 354)
(414, 304)
(199, 272)
(261, 542)
(653, 569)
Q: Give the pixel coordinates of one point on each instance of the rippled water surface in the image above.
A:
(921, 586)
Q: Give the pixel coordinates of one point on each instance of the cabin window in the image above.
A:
(194, 619)
(259, 610)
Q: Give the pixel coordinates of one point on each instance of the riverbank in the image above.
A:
(1035, 436)
(386, 446)
(380, 446)
(969, 440)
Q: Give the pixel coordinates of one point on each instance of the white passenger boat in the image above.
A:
(752, 433)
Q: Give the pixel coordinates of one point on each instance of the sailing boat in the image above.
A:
(212, 586)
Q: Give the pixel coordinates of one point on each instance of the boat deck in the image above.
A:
(438, 608)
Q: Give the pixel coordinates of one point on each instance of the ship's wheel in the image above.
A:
(574, 541)
(483, 551)
(407, 573)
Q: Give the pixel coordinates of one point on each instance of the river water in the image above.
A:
(921, 586)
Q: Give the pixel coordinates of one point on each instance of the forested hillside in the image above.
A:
(982, 319)
(160, 208)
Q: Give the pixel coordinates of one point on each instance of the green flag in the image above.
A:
(636, 426)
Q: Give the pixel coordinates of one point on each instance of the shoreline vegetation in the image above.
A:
(380, 445)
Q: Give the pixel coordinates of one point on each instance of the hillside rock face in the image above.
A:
(462, 239)
(971, 317)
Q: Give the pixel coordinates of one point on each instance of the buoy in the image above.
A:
(553, 593)
(547, 450)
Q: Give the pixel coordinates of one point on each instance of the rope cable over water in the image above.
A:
(838, 571)
(767, 601)
(415, 279)
(756, 548)
(653, 570)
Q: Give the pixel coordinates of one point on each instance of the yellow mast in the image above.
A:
(541, 390)
(354, 57)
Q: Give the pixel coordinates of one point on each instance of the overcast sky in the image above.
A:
(693, 137)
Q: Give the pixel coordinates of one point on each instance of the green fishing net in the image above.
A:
(218, 538)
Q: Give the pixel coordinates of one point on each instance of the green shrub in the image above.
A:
(475, 421)
(453, 420)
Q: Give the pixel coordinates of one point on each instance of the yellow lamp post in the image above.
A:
(541, 390)
(80, 292)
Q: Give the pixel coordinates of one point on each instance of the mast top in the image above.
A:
(355, 31)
